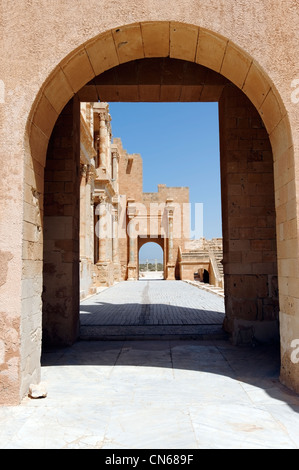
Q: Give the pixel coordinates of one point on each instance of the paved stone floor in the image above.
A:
(151, 308)
(156, 394)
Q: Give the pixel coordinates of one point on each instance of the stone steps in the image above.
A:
(207, 287)
(151, 332)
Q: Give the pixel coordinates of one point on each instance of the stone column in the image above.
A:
(108, 143)
(170, 275)
(115, 245)
(115, 160)
(170, 236)
(115, 256)
(102, 265)
(102, 140)
(102, 229)
(89, 224)
(132, 268)
(131, 244)
(83, 176)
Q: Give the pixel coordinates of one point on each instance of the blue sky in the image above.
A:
(179, 146)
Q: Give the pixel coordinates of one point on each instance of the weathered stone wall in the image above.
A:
(249, 223)
(130, 178)
(157, 207)
(61, 230)
(189, 269)
(130, 175)
(52, 49)
(180, 201)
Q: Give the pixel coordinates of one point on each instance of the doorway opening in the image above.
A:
(248, 206)
(151, 261)
(206, 277)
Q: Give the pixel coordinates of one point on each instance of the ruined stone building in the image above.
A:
(117, 218)
(56, 55)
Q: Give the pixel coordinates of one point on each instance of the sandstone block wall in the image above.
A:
(46, 60)
(61, 230)
(249, 222)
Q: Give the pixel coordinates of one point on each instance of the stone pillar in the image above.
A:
(86, 231)
(115, 256)
(170, 275)
(115, 245)
(89, 203)
(83, 175)
(102, 233)
(131, 244)
(115, 161)
(102, 140)
(132, 267)
(108, 143)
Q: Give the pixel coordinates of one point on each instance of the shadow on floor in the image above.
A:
(104, 313)
(256, 369)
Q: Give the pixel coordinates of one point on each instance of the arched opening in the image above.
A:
(248, 205)
(151, 260)
(206, 277)
(252, 114)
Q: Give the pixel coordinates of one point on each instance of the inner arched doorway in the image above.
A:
(260, 118)
(151, 258)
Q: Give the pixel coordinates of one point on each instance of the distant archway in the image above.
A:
(151, 259)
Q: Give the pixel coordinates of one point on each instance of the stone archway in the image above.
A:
(179, 41)
(158, 240)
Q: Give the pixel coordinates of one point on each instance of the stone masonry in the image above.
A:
(242, 55)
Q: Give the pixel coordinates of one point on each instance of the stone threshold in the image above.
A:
(149, 332)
